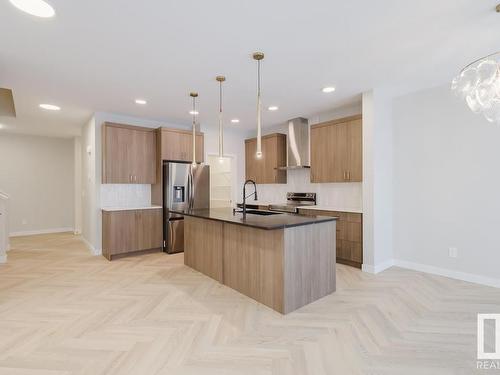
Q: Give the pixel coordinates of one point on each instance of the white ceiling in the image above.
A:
(101, 55)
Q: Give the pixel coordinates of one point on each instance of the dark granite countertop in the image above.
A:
(279, 221)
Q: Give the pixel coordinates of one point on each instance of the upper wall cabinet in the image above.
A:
(265, 170)
(336, 151)
(174, 145)
(128, 154)
(177, 145)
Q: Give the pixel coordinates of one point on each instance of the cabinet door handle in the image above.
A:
(135, 178)
(349, 175)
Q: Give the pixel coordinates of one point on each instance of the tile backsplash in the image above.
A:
(345, 195)
(125, 195)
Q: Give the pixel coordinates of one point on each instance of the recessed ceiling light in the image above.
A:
(38, 8)
(140, 101)
(50, 107)
(272, 108)
(2, 126)
(194, 112)
(328, 89)
(235, 120)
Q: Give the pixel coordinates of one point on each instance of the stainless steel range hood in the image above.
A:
(297, 144)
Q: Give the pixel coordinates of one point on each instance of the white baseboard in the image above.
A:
(378, 267)
(463, 276)
(472, 278)
(42, 231)
(92, 249)
(3, 258)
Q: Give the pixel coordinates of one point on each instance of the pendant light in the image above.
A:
(221, 79)
(259, 56)
(194, 95)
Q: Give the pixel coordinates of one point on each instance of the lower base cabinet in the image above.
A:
(349, 235)
(125, 232)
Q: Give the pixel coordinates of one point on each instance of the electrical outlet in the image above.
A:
(453, 252)
(24, 222)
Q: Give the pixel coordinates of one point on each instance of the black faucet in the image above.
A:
(245, 196)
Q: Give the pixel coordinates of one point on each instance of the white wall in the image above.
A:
(4, 227)
(341, 196)
(89, 186)
(38, 174)
(446, 187)
(377, 181)
(335, 113)
(77, 163)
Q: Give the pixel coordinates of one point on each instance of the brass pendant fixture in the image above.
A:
(194, 95)
(221, 79)
(259, 56)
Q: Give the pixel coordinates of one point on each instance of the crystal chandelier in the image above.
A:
(479, 84)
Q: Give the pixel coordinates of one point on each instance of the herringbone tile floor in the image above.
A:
(63, 311)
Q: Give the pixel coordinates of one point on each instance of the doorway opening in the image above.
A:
(222, 180)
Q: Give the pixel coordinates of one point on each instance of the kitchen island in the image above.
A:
(284, 261)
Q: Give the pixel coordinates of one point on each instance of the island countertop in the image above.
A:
(278, 221)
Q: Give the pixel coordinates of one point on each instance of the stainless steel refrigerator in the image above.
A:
(184, 187)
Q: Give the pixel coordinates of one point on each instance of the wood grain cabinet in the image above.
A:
(177, 145)
(265, 169)
(349, 240)
(131, 231)
(174, 145)
(336, 151)
(128, 154)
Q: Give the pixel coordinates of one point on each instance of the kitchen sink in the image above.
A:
(260, 212)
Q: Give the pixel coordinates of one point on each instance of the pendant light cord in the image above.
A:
(220, 96)
(221, 130)
(258, 154)
(194, 112)
(258, 77)
(194, 131)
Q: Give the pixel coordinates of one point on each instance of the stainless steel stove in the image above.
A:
(293, 201)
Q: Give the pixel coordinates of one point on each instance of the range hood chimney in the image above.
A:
(297, 144)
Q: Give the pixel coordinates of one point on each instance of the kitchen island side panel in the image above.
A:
(253, 263)
(309, 264)
(203, 244)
